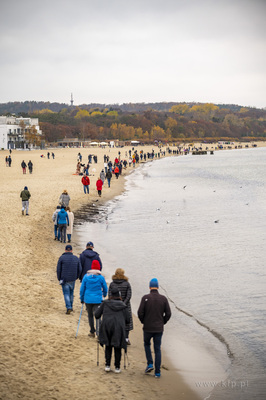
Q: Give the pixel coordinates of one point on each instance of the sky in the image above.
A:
(119, 51)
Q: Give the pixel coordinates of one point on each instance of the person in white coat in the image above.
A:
(69, 230)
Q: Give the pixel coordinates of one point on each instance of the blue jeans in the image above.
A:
(157, 340)
(69, 237)
(109, 181)
(68, 291)
(57, 232)
(86, 188)
(91, 308)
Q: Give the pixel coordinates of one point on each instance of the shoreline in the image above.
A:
(39, 354)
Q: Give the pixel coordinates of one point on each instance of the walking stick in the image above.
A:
(98, 352)
(79, 319)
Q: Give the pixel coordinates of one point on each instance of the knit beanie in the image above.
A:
(154, 283)
(95, 265)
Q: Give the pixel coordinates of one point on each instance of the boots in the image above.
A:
(22, 212)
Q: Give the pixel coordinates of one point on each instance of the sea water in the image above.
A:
(197, 224)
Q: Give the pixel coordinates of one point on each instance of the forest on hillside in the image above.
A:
(145, 122)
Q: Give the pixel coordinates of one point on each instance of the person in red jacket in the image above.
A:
(116, 172)
(85, 181)
(99, 186)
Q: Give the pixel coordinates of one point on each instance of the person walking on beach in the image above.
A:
(109, 177)
(56, 227)
(116, 171)
(99, 186)
(154, 312)
(25, 197)
(102, 175)
(64, 199)
(121, 282)
(68, 271)
(69, 229)
(24, 166)
(62, 222)
(113, 328)
(87, 257)
(92, 291)
(30, 166)
(9, 161)
(85, 182)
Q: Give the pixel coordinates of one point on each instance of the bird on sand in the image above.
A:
(184, 187)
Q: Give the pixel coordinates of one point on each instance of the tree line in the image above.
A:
(146, 122)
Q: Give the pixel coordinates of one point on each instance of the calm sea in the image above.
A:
(197, 223)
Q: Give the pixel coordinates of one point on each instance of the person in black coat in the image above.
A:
(113, 328)
(86, 258)
(68, 271)
(121, 282)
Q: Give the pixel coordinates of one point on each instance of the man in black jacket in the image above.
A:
(86, 258)
(68, 271)
(154, 312)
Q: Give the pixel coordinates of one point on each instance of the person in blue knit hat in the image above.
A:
(154, 312)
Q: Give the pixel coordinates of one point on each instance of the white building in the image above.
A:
(13, 132)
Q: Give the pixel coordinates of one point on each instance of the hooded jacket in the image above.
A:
(86, 258)
(64, 199)
(68, 267)
(93, 287)
(124, 288)
(115, 318)
(85, 180)
(62, 217)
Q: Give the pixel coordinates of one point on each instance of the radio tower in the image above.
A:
(71, 100)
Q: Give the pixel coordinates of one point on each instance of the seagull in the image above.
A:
(184, 187)
(177, 214)
(167, 222)
(158, 209)
(216, 222)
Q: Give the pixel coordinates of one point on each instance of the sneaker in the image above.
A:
(107, 368)
(128, 342)
(117, 370)
(68, 311)
(149, 368)
(157, 375)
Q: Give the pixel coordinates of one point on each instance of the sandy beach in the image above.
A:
(40, 356)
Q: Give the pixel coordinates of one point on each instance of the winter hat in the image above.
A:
(26, 188)
(68, 247)
(95, 265)
(89, 244)
(154, 283)
(115, 292)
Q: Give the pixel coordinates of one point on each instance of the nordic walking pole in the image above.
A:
(124, 358)
(98, 352)
(79, 319)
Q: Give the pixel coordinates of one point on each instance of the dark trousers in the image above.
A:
(91, 308)
(157, 340)
(108, 355)
(62, 230)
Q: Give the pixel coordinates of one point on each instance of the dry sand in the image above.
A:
(40, 357)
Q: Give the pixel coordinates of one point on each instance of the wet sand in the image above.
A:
(40, 356)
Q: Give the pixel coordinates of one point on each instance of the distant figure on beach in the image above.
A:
(85, 182)
(30, 166)
(48, 155)
(53, 156)
(120, 281)
(68, 271)
(92, 291)
(113, 328)
(116, 171)
(109, 177)
(24, 166)
(99, 186)
(62, 222)
(154, 312)
(64, 199)
(25, 197)
(9, 161)
(56, 227)
(102, 175)
(87, 257)
(69, 229)
(6, 161)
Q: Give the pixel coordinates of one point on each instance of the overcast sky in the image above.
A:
(116, 51)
